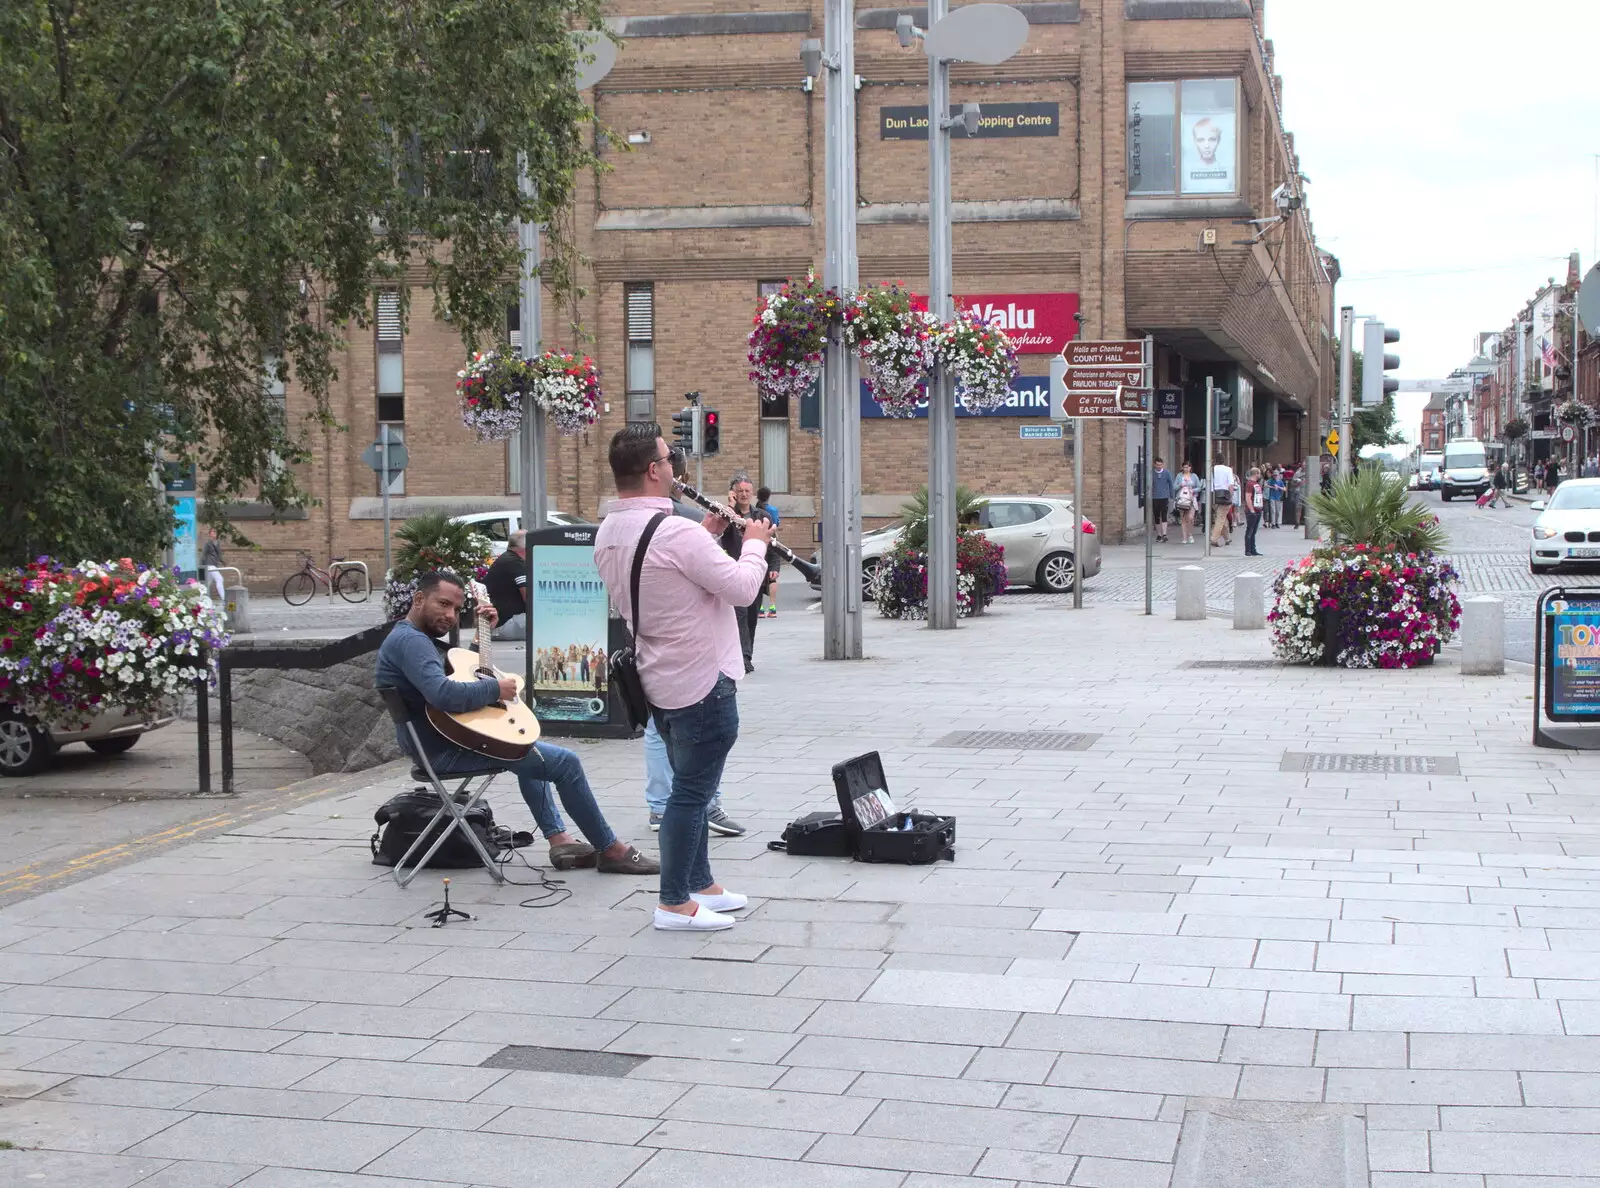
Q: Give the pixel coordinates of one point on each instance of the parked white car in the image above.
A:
(499, 525)
(1036, 532)
(28, 745)
(1567, 531)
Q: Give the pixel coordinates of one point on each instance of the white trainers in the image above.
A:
(704, 920)
(728, 901)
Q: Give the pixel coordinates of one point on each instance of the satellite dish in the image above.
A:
(984, 33)
(1589, 301)
(592, 44)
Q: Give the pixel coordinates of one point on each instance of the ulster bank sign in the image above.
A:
(1030, 397)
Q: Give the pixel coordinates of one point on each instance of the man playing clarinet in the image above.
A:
(689, 656)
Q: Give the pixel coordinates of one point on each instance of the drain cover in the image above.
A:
(1018, 740)
(1327, 761)
(1232, 664)
(565, 1060)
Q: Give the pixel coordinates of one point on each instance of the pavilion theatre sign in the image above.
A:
(996, 119)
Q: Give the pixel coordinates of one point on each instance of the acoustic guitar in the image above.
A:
(499, 730)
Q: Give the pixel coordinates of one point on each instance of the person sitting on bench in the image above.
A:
(409, 662)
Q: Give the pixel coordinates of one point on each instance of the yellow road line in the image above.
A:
(41, 875)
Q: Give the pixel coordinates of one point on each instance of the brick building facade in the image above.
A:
(1153, 132)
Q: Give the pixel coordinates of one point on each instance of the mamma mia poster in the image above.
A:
(570, 620)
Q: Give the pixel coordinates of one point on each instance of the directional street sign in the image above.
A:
(1103, 379)
(1124, 402)
(1112, 353)
(399, 458)
(1333, 443)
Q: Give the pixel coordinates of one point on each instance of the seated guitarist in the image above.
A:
(409, 662)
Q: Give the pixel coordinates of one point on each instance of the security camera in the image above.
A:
(1285, 198)
(969, 118)
(811, 56)
(906, 30)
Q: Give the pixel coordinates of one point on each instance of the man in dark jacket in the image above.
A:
(741, 497)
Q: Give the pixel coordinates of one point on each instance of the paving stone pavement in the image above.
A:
(1160, 929)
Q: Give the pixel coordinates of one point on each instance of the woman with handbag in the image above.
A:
(1186, 498)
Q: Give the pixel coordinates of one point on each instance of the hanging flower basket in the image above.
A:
(1574, 412)
(490, 387)
(567, 387)
(788, 336)
(896, 342)
(112, 633)
(981, 359)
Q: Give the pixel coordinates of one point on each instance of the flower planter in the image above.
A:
(1329, 623)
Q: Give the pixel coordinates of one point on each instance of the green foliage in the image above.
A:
(1515, 428)
(189, 189)
(1370, 508)
(434, 541)
(914, 516)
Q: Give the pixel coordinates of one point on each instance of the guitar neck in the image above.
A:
(485, 633)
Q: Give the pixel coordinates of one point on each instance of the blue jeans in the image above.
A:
(535, 772)
(698, 739)
(1252, 521)
(658, 772)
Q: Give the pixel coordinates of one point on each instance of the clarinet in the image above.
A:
(807, 570)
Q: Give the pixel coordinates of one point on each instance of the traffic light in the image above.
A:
(710, 433)
(1374, 384)
(683, 430)
(1225, 415)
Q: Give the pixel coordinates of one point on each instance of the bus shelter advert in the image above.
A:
(1575, 662)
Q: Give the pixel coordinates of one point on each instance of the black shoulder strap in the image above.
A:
(638, 565)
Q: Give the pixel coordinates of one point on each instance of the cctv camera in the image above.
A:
(811, 56)
(969, 118)
(906, 30)
(1285, 198)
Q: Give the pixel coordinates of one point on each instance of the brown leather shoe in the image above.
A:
(572, 856)
(631, 863)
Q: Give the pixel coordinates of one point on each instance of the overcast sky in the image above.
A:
(1450, 146)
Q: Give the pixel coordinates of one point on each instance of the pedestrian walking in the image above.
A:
(1161, 495)
(688, 655)
(1552, 476)
(741, 496)
(1255, 501)
(1276, 489)
(1187, 493)
(769, 604)
(211, 562)
(1221, 496)
(1502, 485)
(1591, 468)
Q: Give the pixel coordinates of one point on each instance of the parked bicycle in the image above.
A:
(349, 578)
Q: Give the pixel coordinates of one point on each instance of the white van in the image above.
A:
(1465, 470)
(1428, 472)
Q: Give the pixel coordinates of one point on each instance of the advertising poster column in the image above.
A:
(571, 636)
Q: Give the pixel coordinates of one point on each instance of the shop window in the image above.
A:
(1183, 137)
(774, 426)
(639, 315)
(391, 382)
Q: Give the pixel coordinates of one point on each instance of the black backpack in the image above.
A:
(402, 818)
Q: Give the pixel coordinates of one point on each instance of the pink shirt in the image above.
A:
(689, 588)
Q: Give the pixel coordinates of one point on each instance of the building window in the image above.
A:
(391, 385)
(639, 314)
(272, 368)
(1183, 137)
(774, 425)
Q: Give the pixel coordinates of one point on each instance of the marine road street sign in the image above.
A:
(1112, 353)
(1045, 432)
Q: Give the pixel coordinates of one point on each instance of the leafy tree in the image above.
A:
(914, 515)
(189, 191)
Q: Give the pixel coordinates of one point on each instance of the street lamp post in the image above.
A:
(988, 34)
(841, 401)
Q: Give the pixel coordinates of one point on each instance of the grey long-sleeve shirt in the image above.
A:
(409, 661)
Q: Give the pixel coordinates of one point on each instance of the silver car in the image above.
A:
(1035, 530)
(28, 745)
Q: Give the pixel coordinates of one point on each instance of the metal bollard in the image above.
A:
(238, 608)
(1248, 614)
(1483, 636)
(1191, 592)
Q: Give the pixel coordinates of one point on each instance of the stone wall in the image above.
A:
(333, 716)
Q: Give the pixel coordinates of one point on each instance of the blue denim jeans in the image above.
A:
(658, 771)
(698, 739)
(535, 772)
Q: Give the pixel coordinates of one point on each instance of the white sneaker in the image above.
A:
(704, 920)
(728, 901)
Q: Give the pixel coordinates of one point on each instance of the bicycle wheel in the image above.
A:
(297, 591)
(352, 585)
